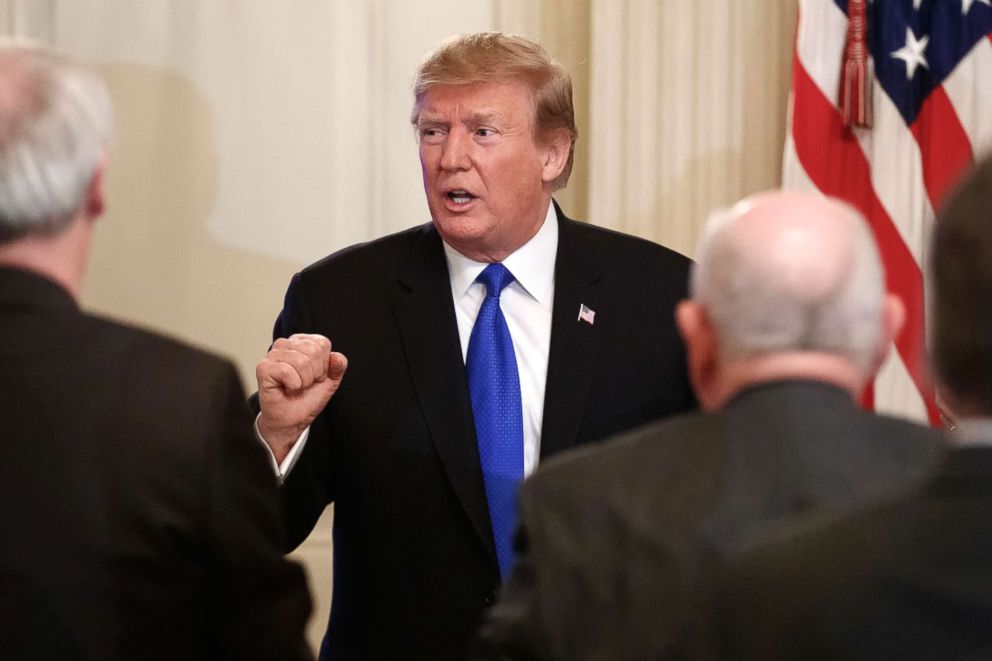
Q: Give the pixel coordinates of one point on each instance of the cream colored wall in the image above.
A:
(255, 136)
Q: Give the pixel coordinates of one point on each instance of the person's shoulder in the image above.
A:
(904, 426)
(797, 545)
(176, 397)
(364, 273)
(392, 249)
(796, 559)
(906, 437)
(623, 461)
(147, 352)
(622, 248)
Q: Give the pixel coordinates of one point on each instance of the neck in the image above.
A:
(738, 375)
(61, 258)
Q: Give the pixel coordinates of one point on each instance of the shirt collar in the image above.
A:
(972, 431)
(532, 264)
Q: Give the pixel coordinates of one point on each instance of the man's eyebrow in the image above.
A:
(428, 118)
(484, 117)
(480, 117)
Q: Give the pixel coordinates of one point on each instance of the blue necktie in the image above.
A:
(494, 387)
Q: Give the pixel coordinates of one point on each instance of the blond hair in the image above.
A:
(485, 57)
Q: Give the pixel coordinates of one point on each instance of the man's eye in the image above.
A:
(484, 132)
(429, 133)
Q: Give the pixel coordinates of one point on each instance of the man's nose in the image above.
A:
(455, 155)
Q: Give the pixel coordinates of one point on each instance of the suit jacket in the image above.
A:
(139, 517)
(908, 578)
(618, 542)
(395, 450)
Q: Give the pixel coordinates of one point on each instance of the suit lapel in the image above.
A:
(426, 321)
(574, 343)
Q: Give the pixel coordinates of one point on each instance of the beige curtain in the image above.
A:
(687, 109)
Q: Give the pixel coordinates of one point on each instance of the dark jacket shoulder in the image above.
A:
(382, 257)
(145, 361)
(628, 248)
(626, 464)
(126, 341)
(789, 432)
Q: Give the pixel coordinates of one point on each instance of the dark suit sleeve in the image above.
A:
(259, 603)
(308, 488)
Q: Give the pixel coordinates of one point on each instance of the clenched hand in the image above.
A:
(296, 379)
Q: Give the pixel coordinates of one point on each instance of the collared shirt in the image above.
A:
(526, 304)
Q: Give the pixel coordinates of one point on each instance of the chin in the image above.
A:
(455, 228)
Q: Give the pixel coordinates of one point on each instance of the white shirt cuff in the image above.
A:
(283, 469)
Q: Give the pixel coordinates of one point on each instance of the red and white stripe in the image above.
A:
(894, 174)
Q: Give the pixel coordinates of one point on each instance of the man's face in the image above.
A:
(488, 182)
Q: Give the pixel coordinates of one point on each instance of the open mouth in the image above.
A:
(460, 197)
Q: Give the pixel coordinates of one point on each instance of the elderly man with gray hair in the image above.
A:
(138, 514)
(787, 322)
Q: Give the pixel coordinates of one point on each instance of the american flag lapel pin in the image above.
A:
(586, 315)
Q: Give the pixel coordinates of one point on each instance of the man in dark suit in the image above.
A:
(139, 518)
(907, 578)
(405, 448)
(788, 320)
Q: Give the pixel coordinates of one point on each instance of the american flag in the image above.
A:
(931, 117)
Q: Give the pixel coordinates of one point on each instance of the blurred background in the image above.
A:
(256, 136)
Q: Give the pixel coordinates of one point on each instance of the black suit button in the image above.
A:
(490, 598)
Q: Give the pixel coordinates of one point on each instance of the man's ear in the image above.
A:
(95, 202)
(893, 317)
(699, 336)
(555, 154)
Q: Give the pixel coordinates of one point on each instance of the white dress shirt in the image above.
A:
(526, 304)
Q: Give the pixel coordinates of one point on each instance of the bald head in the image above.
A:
(789, 272)
(54, 124)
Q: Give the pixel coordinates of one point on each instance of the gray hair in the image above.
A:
(758, 293)
(55, 121)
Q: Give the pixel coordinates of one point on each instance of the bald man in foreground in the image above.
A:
(788, 320)
(907, 578)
